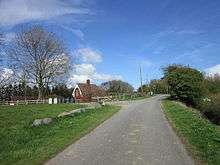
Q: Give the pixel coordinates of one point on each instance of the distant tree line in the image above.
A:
(117, 87)
(21, 91)
(156, 86)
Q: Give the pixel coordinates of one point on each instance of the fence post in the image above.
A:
(50, 101)
(55, 101)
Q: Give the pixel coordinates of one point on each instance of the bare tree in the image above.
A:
(40, 55)
(5, 76)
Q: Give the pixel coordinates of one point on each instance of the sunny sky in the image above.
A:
(108, 39)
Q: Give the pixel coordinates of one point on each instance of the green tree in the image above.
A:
(158, 86)
(185, 83)
(145, 88)
(117, 87)
(212, 84)
(62, 90)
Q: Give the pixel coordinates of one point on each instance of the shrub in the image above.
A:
(211, 108)
(185, 83)
(212, 84)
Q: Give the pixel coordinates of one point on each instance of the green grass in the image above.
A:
(25, 145)
(200, 136)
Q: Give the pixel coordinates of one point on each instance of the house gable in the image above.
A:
(83, 92)
(77, 88)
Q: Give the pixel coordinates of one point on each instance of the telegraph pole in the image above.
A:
(141, 78)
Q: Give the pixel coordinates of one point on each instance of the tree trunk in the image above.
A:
(39, 93)
(40, 88)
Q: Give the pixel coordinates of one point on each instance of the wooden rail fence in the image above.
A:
(24, 102)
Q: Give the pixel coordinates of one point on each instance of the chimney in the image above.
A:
(88, 82)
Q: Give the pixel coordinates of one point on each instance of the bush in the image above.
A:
(185, 83)
(211, 108)
(212, 84)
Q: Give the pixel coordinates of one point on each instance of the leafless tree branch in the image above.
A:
(40, 54)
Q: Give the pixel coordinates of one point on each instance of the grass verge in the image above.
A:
(26, 145)
(202, 138)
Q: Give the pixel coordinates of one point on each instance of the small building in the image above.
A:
(83, 92)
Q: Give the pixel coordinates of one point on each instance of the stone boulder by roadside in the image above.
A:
(94, 105)
(64, 114)
(73, 112)
(44, 121)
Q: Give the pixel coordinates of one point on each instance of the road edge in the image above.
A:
(44, 162)
(188, 148)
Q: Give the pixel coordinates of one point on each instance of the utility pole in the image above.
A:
(141, 78)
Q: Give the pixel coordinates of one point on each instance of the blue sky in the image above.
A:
(110, 39)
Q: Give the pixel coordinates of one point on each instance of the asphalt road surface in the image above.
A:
(139, 134)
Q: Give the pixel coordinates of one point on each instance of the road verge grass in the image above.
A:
(201, 137)
(20, 143)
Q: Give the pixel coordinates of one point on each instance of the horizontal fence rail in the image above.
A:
(24, 102)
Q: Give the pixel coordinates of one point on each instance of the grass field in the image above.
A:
(25, 145)
(202, 138)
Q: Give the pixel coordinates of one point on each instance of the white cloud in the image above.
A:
(213, 70)
(88, 55)
(106, 77)
(84, 69)
(13, 12)
(82, 72)
(77, 79)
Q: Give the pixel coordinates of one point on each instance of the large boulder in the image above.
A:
(72, 113)
(83, 109)
(64, 114)
(77, 111)
(37, 122)
(94, 105)
(44, 121)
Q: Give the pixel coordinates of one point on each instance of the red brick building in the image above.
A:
(83, 92)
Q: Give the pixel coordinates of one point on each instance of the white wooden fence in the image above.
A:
(24, 102)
